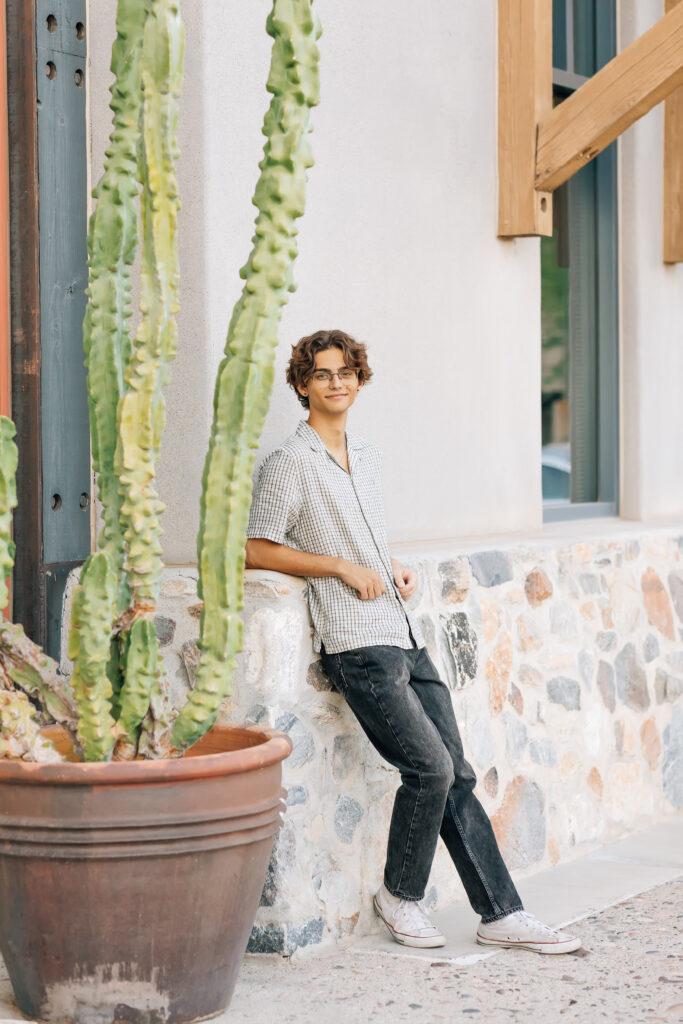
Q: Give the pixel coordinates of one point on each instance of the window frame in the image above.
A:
(605, 241)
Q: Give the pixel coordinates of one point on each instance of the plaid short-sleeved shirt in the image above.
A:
(304, 499)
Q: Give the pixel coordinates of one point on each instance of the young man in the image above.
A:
(317, 512)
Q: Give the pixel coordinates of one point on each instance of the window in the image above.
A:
(579, 387)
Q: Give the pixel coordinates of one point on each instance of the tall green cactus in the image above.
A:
(147, 60)
(118, 700)
(112, 245)
(245, 376)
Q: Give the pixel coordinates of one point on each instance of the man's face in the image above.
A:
(335, 396)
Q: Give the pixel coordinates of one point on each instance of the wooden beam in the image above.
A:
(672, 204)
(525, 89)
(632, 83)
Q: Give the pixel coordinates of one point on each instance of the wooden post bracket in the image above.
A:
(540, 147)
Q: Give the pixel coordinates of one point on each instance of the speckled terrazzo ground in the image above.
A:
(630, 970)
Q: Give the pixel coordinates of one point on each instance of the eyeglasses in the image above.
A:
(326, 375)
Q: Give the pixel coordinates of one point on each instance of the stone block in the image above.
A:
(491, 782)
(657, 603)
(625, 599)
(631, 679)
(594, 780)
(519, 823)
(530, 637)
(676, 588)
(606, 640)
(277, 938)
(491, 568)
(542, 751)
(480, 743)
(460, 649)
(347, 814)
(590, 582)
(515, 699)
(672, 760)
(537, 587)
(303, 744)
(651, 647)
(562, 619)
(490, 618)
(564, 691)
(652, 746)
(296, 795)
(529, 676)
(455, 579)
(586, 663)
(515, 737)
(497, 670)
(606, 685)
(668, 688)
(165, 629)
(346, 755)
(340, 895)
(317, 678)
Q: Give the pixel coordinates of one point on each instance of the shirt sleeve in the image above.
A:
(276, 500)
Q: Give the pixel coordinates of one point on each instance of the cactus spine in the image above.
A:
(245, 376)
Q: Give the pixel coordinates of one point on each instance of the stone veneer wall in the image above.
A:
(566, 669)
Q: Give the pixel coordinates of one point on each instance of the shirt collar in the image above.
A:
(315, 441)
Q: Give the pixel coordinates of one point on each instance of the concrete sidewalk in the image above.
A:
(627, 899)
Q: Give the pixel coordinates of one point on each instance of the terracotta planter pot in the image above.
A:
(128, 890)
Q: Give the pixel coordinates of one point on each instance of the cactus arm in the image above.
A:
(141, 664)
(112, 244)
(141, 410)
(245, 376)
(92, 612)
(155, 731)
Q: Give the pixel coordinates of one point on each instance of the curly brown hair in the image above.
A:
(302, 363)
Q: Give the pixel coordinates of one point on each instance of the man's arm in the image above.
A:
(405, 579)
(266, 554)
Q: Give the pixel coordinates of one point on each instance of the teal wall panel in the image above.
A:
(62, 174)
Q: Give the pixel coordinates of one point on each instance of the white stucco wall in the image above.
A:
(398, 246)
(652, 315)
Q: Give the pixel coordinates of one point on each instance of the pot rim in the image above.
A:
(274, 746)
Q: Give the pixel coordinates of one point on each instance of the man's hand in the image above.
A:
(368, 583)
(405, 579)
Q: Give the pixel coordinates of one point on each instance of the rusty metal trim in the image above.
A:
(29, 583)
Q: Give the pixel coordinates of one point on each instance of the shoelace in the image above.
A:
(412, 915)
(529, 919)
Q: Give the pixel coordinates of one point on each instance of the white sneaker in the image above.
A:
(524, 930)
(407, 921)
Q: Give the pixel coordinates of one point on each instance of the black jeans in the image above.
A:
(406, 712)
